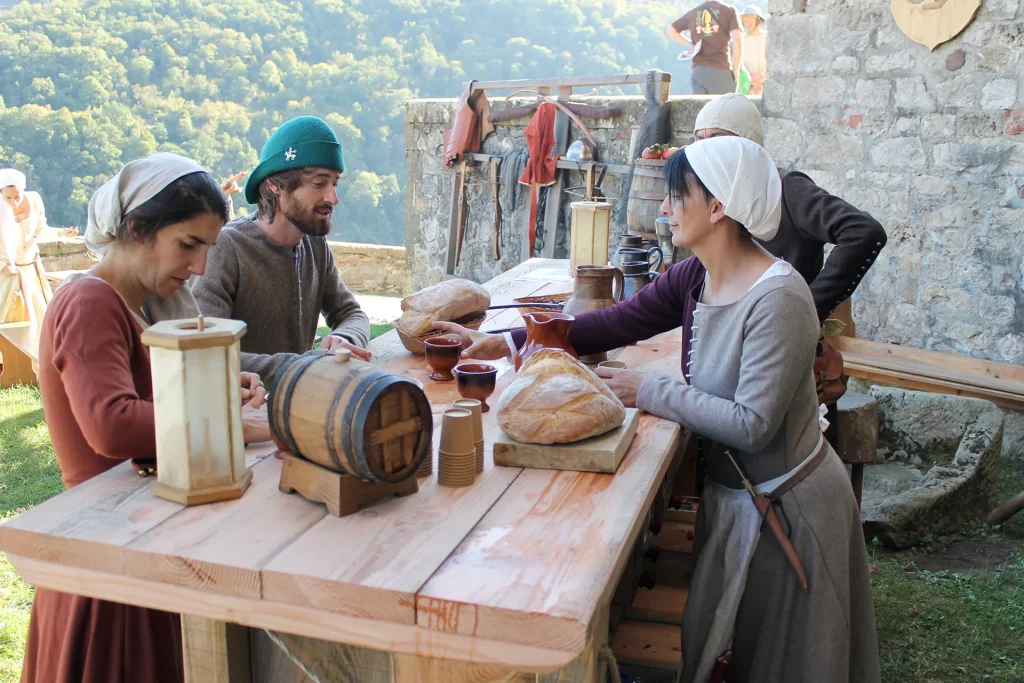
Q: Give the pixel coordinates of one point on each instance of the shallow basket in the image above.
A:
(542, 299)
(415, 344)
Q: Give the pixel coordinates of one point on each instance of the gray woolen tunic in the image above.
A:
(753, 393)
(278, 292)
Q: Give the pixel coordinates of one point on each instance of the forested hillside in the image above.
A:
(86, 85)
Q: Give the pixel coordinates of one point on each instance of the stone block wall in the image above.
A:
(66, 253)
(429, 184)
(372, 268)
(932, 144)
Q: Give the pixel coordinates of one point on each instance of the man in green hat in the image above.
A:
(273, 270)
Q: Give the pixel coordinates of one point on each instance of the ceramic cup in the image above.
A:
(443, 354)
(613, 364)
(476, 380)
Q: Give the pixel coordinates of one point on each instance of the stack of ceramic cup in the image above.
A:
(476, 407)
(456, 460)
(426, 468)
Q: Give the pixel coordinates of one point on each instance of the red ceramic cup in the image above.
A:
(476, 380)
(443, 354)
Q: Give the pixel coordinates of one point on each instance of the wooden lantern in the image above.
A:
(589, 234)
(200, 451)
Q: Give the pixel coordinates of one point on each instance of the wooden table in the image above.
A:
(507, 580)
(19, 353)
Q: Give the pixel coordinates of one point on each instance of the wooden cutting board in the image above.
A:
(598, 454)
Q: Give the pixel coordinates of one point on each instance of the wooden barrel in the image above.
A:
(351, 417)
(647, 192)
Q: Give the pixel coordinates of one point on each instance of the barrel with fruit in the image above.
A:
(648, 189)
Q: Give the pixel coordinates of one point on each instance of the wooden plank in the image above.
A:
(16, 367)
(214, 651)
(648, 644)
(571, 82)
(90, 525)
(371, 633)
(919, 383)
(938, 364)
(535, 568)
(23, 336)
(582, 167)
(223, 547)
(675, 537)
(599, 454)
(662, 603)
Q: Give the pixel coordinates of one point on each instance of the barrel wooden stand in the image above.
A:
(343, 494)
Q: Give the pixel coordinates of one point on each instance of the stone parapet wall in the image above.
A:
(932, 144)
(372, 268)
(366, 268)
(429, 184)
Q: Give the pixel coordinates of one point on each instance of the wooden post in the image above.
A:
(214, 651)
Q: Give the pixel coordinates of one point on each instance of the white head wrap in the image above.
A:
(134, 185)
(732, 112)
(12, 177)
(741, 175)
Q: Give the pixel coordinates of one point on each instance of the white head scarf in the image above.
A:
(12, 177)
(134, 185)
(732, 112)
(741, 175)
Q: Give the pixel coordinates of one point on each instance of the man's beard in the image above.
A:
(307, 220)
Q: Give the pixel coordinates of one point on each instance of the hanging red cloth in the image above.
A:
(540, 169)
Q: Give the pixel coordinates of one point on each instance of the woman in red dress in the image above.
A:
(154, 222)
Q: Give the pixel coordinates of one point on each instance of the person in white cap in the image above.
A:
(755, 46)
(749, 336)
(24, 291)
(811, 217)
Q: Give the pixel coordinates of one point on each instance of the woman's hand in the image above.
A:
(255, 424)
(254, 394)
(230, 186)
(624, 383)
(333, 342)
(476, 345)
(8, 270)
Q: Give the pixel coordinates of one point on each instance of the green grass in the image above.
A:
(932, 626)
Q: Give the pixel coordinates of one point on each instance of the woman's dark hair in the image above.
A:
(189, 196)
(679, 174)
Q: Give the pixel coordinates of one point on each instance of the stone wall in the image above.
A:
(366, 268)
(932, 144)
(429, 184)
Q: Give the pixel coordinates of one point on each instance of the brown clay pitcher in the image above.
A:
(595, 287)
(545, 331)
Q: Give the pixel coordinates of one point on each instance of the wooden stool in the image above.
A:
(858, 435)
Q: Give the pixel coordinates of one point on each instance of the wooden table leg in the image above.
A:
(215, 651)
(17, 367)
(857, 479)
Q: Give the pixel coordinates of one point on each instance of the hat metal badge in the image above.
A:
(289, 154)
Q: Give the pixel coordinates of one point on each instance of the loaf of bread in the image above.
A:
(450, 300)
(556, 399)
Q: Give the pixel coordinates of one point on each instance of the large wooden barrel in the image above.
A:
(351, 417)
(647, 192)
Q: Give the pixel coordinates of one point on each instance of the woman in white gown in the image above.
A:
(24, 291)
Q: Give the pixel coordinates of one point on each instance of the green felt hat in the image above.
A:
(300, 143)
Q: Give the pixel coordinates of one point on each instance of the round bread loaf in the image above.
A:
(556, 399)
(445, 301)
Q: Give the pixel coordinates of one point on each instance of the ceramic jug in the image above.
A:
(545, 331)
(596, 287)
(638, 253)
(636, 276)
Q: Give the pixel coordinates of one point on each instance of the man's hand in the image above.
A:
(254, 394)
(476, 345)
(230, 186)
(624, 383)
(333, 342)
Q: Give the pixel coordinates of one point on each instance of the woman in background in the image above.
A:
(155, 220)
(755, 44)
(24, 291)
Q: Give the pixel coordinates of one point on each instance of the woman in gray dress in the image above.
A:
(749, 393)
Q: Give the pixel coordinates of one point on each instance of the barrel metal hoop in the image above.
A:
(350, 417)
(363, 414)
(286, 399)
(332, 413)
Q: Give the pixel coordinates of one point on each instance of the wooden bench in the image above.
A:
(941, 373)
(19, 353)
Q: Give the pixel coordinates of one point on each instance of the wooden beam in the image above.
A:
(580, 166)
(214, 651)
(574, 82)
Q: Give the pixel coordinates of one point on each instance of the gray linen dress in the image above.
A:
(752, 392)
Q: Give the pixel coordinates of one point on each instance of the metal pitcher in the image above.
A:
(636, 275)
(631, 248)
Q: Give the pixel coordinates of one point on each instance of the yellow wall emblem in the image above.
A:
(933, 22)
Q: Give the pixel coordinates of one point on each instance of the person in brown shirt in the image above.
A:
(711, 26)
(96, 387)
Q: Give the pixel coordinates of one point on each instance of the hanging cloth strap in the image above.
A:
(540, 169)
